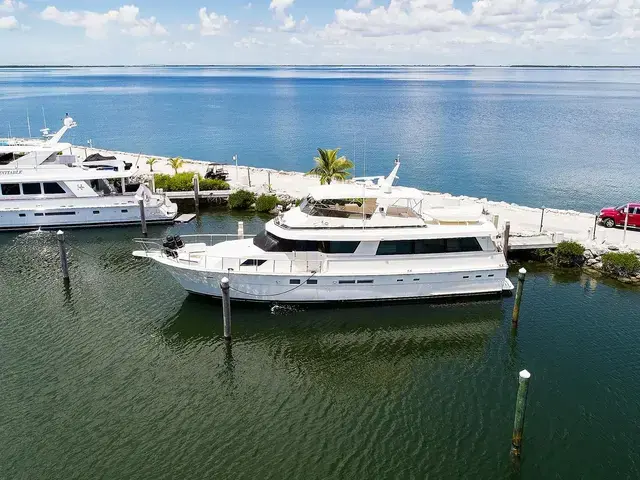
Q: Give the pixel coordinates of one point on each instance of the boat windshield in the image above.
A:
(339, 207)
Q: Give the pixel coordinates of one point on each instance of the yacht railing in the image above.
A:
(300, 264)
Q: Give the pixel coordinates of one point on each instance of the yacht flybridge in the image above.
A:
(42, 187)
(361, 241)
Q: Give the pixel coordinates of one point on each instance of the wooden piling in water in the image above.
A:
(516, 306)
(143, 218)
(64, 265)
(226, 308)
(505, 239)
(196, 190)
(240, 230)
(521, 406)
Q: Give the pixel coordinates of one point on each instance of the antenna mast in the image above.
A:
(28, 123)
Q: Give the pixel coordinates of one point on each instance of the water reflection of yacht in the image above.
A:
(360, 241)
(41, 187)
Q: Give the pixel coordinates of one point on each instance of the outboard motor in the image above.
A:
(178, 241)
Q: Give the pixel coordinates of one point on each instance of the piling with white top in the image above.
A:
(63, 255)
(143, 218)
(505, 239)
(226, 308)
(516, 306)
(152, 183)
(196, 190)
(240, 230)
(521, 406)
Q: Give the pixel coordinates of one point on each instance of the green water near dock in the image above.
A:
(123, 375)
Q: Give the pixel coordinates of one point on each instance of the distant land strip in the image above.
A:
(5, 67)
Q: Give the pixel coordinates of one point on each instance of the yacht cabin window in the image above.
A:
(31, 189)
(10, 189)
(436, 245)
(53, 187)
(271, 243)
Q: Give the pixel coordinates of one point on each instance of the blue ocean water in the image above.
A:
(565, 138)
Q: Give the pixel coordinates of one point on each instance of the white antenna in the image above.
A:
(365, 156)
(28, 123)
(10, 130)
(354, 153)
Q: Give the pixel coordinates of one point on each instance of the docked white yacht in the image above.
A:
(361, 241)
(41, 187)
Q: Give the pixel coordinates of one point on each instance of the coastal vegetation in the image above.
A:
(266, 203)
(621, 264)
(241, 199)
(330, 167)
(182, 182)
(176, 163)
(568, 254)
(151, 161)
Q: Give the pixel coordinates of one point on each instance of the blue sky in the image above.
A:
(324, 32)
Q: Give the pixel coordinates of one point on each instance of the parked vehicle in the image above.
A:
(610, 216)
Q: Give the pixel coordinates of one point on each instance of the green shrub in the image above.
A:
(183, 182)
(241, 199)
(569, 254)
(266, 203)
(620, 264)
(213, 184)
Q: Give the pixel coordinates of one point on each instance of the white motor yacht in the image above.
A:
(361, 241)
(41, 187)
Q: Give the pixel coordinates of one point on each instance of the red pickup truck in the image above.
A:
(610, 217)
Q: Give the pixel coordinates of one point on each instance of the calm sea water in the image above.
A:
(554, 137)
(123, 375)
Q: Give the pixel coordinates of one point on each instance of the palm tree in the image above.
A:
(331, 167)
(151, 162)
(176, 163)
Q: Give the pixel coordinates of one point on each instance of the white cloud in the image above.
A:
(279, 6)
(247, 42)
(12, 6)
(364, 4)
(8, 23)
(96, 24)
(248, 6)
(212, 23)
(436, 26)
(296, 41)
(288, 24)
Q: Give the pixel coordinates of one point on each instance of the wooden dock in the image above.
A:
(206, 194)
(532, 243)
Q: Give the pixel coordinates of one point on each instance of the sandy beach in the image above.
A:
(525, 221)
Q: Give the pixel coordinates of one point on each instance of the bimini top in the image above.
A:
(367, 187)
(355, 190)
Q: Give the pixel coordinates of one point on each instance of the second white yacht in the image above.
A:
(362, 241)
(40, 187)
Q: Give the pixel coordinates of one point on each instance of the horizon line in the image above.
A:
(202, 65)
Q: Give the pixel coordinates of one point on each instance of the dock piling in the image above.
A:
(249, 175)
(496, 220)
(505, 239)
(143, 218)
(269, 181)
(542, 219)
(595, 225)
(196, 190)
(63, 255)
(240, 230)
(226, 308)
(521, 406)
(516, 306)
(152, 183)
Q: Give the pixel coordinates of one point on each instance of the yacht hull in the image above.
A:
(78, 217)
(343, 288)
